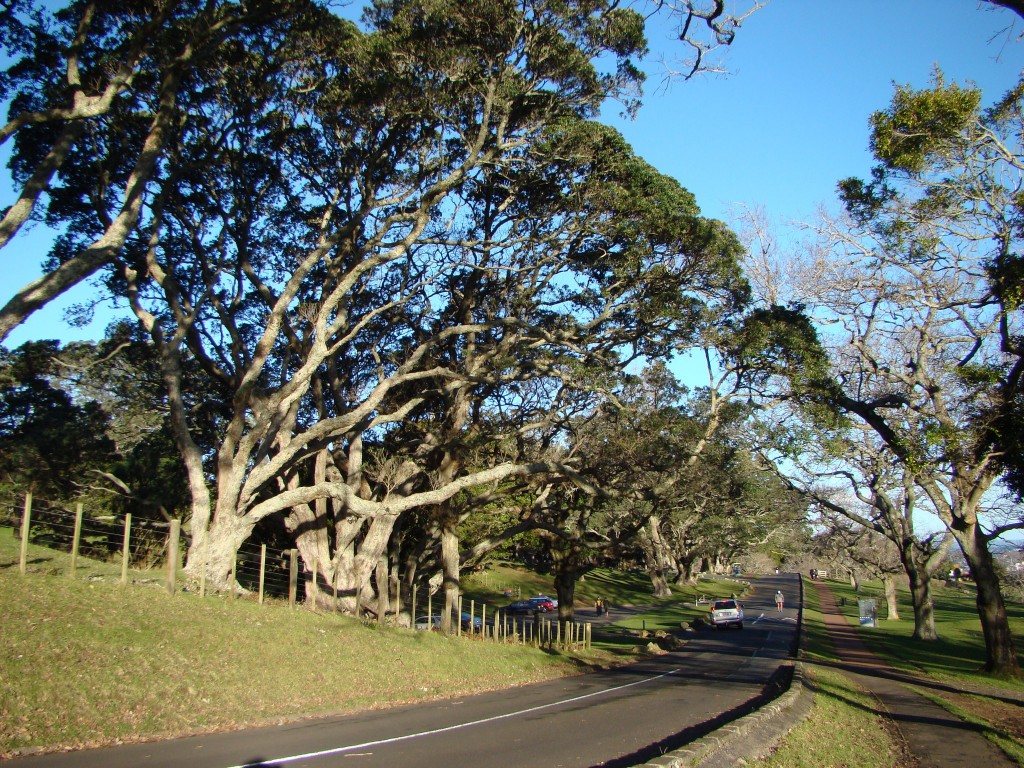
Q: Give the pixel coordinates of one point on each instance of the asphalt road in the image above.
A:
(616, 718)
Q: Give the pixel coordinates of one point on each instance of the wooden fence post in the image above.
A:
(472, 617)
(76, 539)
(293, 576)
(263, 569)
(126, 549)
(26, 522)
(172, 556)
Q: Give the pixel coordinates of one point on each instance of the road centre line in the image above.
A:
(446, 729)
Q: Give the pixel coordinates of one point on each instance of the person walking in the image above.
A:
(779, 599)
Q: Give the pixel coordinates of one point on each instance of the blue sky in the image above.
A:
(786, 123)
(791, 118)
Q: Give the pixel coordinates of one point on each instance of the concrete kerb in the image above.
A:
(749, 737)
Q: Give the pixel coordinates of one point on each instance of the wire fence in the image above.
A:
(151, 551)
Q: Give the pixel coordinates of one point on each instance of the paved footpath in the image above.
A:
(935, 737)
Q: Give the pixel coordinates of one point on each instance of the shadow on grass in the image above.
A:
(917, 681)
(33, 561)
(947, 721)
(958, 655)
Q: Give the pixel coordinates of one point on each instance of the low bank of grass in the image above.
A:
(86, 663)
(842, 729)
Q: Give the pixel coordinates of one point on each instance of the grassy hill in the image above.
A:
(85, 661)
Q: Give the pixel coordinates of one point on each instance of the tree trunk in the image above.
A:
(450, 568)
(1000, 653)
(383, 589)
(356, 564)
(893, 611)
(566, 573)
(924, 608)
(686, 575)
(650, 543)
(659, 584)
(310, 535)
(224, 539)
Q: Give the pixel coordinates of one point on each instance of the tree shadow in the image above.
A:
(33, 561)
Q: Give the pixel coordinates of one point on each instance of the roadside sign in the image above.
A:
(868, 613)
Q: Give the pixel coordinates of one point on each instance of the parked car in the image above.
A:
(474, 621)
(541, 604)
(550, 599)
(519, 606)
(725, 613)
(428, 622)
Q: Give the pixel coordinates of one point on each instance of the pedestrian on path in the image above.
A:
(779, 600)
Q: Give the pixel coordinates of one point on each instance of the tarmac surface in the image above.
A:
(934, 737)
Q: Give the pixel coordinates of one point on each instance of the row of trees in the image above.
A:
(391, 276)
(908, 400)
(395, 284)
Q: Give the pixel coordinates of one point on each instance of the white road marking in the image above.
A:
(395, 739)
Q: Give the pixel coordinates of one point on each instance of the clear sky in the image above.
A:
(786, 123)
(791, 117)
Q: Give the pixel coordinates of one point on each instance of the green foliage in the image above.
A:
(88, 422)
(922, 123)
(781, 341)
(1007, 274)
(49, 444)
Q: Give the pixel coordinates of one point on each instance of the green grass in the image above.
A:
(628, 593)
(957, 655)
(85, 661)
(89, 663)
(841, 731)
